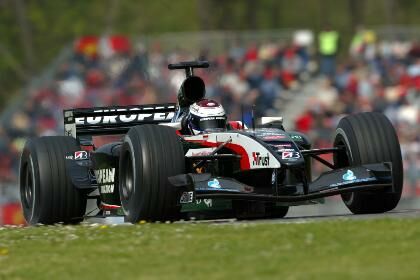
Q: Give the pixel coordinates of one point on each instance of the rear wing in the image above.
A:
(114, 119)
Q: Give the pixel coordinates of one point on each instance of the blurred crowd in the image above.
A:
(378, 75)
(112, 71)
(381, 76)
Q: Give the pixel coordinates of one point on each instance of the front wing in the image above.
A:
(367, 177)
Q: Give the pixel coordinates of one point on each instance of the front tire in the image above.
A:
(149, 155)
(369, 138)
(47, 193)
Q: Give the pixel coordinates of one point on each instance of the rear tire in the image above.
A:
(369, 138)
(47, 193)
(149, 155)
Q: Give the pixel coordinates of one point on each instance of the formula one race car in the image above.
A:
(157, 173)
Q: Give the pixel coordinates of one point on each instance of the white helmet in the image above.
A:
(206, 115)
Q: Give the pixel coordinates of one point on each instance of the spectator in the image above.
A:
(328, 41)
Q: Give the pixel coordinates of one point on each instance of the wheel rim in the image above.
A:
(128, 178)
(28, 188)
(343, 159)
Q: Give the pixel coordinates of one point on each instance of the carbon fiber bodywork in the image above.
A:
(278, 172)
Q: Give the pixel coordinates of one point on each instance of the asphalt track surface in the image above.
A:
(398, 213)
(407, 208)
(331, 210)
(335, 210)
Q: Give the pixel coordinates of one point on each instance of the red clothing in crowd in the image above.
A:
(305, 122)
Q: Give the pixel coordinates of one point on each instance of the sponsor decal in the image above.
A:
(70, 128)
(80, 155)
(290, 154)
(105, 179)
(124, 118)
(282, 146)
(104, 176)
(296, 137)
(107, 188)
(269, 131)
(186, 197)
(214, 184)
(259, 160)
(273, 137)
(353, 181)
(212, 118)
(219, 184)
(207, 202)
(349, 176)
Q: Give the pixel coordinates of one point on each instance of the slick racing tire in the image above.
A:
(369, 138)
(47, 193)
(149, 155)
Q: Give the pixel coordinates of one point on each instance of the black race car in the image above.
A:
(155, 173)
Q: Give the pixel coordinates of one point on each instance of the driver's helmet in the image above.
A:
(206, 115)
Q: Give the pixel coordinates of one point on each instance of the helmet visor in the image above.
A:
(209, 123)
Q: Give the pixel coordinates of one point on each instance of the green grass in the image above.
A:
(339, 249)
